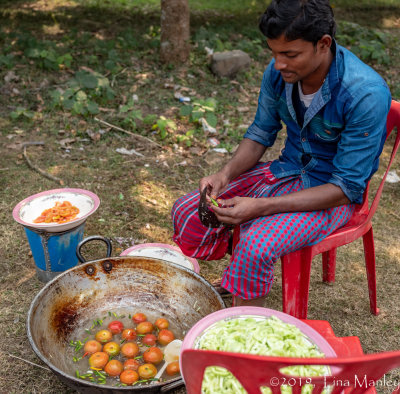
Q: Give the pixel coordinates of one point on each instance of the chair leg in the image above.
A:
(370, 264)
(329, 266)
(296, 270)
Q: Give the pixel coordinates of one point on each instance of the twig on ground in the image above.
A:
(115, 75)
(29, 362)
(37, 169)
(28, 276)
(127, 132)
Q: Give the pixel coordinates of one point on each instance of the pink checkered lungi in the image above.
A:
(262, 240)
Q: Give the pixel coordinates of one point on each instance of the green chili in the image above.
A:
(214, 202)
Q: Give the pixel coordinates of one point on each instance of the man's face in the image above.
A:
(297, 60)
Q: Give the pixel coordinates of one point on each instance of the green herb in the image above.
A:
(97, 322)
(141, 381)
(100, 374)
(123, 341)
(77, 345)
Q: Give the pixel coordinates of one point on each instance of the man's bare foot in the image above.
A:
(254, 302)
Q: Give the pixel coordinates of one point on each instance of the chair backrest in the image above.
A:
(392, 121)
(353, 374)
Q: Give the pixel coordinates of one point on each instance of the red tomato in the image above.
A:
(103, 336)
(165, 337)
(153, 355)
(144, 328)
(161, 323)
(173, 368)
(92, 346)
(111, 348)
(114, 368)
(129, 334)
(98, 360)
(147, 371)
(116, 327)
(129, 377)
(149, 339)
(131, 364)
(139, 318)
(130, 349)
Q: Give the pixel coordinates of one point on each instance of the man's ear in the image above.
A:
(324, 44)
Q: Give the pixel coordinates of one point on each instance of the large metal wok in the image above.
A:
(63, 307)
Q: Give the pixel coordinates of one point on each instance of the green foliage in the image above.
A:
(22, 113)
(370, 45)
(164, 126)
(44, 53)
(152, 37)
(7, 61)
(187, 138)
(131, 115)
(149, 119)
(84, 93)
(201, 109)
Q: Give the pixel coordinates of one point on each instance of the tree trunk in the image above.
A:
(175, 31)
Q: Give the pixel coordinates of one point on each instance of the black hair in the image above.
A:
(298, 19)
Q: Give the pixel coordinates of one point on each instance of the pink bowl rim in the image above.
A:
(18, 207)
(207, 321)
(196, 267)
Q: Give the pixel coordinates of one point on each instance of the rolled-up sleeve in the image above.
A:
(267, 122)
(361, 141)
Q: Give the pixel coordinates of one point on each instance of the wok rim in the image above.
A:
(53, 368)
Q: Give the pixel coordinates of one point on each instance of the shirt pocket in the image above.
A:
(283, 111)
(323, 131)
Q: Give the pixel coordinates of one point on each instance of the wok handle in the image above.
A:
(107, 241)
(172, 386)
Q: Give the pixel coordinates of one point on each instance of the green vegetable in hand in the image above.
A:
(214, 202)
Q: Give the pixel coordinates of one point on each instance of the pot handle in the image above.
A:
(172, 386)
(107, 241)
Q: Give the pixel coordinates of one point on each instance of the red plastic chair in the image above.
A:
(296, 266)
(351, 375)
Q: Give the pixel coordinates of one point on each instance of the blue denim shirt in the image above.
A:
(344, 128)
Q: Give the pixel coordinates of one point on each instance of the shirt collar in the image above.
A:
(323, 95)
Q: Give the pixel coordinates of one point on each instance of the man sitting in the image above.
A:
(334, 107)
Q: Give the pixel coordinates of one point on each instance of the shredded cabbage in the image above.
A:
(266, 337)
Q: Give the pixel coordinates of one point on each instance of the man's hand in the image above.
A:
(238, 210)
(215, 184)
(246, 156)
(241, 209)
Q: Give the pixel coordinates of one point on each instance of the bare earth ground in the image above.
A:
(137, 194)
